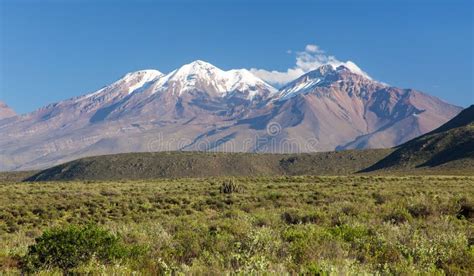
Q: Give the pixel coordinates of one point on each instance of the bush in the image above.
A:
(466, 209)
(419, 210)
(379, 198)
(314, 269)
(72, 246)
(229, 187)
(294, 217)
(349, 233)
(397, 216)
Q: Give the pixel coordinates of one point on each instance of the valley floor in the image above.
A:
(307, 224)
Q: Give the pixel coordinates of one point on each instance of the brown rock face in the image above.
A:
(335, 109)
(200, 107)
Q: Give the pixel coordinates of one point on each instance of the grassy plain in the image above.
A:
(300, 224)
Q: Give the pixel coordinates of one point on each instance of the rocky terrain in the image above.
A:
(6, 111)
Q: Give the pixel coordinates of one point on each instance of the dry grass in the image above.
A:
(351, 224)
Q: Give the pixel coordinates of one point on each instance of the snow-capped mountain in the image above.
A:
(322, 76)
(203, 76)
(337, 108)
(201, 107)
(133, 82)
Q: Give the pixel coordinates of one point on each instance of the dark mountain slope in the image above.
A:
(202, 164)
(449, 146)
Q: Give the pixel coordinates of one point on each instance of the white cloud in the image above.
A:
(309, 59)
(312, 48)
(276, 77)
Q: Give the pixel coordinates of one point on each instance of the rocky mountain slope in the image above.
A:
(6, 111)
(201, 107)
(449, 146)
(334, 108)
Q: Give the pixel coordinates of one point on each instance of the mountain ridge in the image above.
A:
(201, 107)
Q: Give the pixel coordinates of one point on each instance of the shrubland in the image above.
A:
(302, 224)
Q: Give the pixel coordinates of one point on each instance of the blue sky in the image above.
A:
(53, 50)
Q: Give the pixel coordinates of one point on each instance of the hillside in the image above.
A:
(200, 164)
(16, 176)
(451, 146)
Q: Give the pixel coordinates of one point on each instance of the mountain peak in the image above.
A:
(324, 74)
(195, 67)
(353, 68)
(147, 73)
(325, 69)
(199, 62)
(331, 68)
(137, 79)
(204, 76)
(130, 82)
(6, 111)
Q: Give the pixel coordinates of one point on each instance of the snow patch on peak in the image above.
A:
(242, 79)
(138, 79)
(142, 73)
(199, 64)
(134, 80)
(312, 79)
(355, 69)
(299, 87)
(341, 66)
(197, 68)
(199, 72)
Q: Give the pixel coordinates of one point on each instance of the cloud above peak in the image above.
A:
(312, 48)
(310, 59)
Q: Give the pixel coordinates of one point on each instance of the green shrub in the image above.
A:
(188, 245)
(294, 217)
(349, 233)
(274, 196)
(397, 216)
(72, 246)
(466, 209)
(379, 198)
(419, 210)
(307, 244)
(314, 269)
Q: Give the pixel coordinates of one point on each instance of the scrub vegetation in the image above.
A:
(298, 224)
